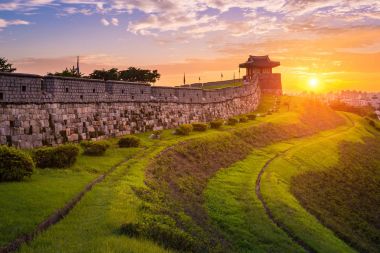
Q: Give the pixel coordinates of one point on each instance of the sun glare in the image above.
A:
(313, 83)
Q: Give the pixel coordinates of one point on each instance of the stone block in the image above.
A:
(73, 137)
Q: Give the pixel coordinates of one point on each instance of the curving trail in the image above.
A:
(278, 223)
(58, 215)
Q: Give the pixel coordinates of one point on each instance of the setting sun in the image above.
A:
(313, 83)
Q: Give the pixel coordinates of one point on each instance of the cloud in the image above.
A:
(105, 22)
(5, 23)
(158, 23)
(198, 18)
(201, 30)
(115, 21)
(23, 4)
(73, 10)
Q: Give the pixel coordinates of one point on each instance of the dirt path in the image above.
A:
(278, 223)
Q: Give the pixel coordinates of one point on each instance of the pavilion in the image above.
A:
(261, 67)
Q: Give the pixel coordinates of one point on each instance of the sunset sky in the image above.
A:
(336, 42)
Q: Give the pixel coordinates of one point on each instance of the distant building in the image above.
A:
(353, 98)
(261, 67)
(360, 99)
(375, 101)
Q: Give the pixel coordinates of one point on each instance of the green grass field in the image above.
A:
(232, 204)
(198, 193)
(343, 196)
(285, 208)
(24, 205)
(232, 84)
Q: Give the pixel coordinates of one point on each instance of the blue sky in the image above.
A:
(201, 37)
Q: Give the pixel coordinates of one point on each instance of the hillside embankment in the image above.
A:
(173, 200)
(346, 196)
(337, 204)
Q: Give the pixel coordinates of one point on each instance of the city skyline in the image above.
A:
(334, 42)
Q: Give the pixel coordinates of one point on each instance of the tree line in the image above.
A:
(359, 110)
(132, 74)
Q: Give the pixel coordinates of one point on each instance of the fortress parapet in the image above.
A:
(25, 88)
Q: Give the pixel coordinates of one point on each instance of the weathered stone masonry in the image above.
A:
(36, 111)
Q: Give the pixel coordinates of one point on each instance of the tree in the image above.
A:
(111, 74)
(133, 74)
(5, 66)
(338, 105)
(72, 72)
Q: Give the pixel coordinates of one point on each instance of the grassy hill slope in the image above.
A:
(177, 178)
(346, 197)
(196, 193)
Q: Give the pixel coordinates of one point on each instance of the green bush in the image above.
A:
(95, 148)
(373, 115)
(200, 127)
(129, 142)
(251, 116)
(243, 119)
(167, 236)
(14, 164)
(156, 134)
(372, 123)
(171, 237)
(131, 229)
(56, 157)
(216, 124)
(232, 121)
(184, 129)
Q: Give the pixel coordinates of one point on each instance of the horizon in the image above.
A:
(332, 45)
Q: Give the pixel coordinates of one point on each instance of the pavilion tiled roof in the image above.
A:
(259, 62)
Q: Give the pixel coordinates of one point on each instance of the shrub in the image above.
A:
(129, 142)
(216, 123)
(232, 121)
(167, 236)
(131, 229)
(56, 157)
(200, 127)
(14, 164)
(95, 148)
(184, 129)
(251, 116)
(171, 237)
(243, 119)
(156, 134)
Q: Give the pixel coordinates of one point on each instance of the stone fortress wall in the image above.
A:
(37, 111)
